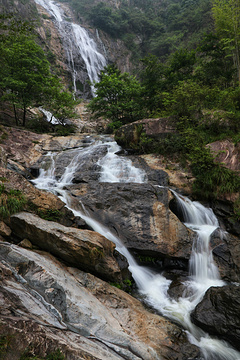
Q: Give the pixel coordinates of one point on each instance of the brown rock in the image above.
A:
(84, 249)
(85, 317)
(129, 134)
(25, 243)
(227, 153)
(179, 178)
(4, 229)
(139, 214)
(3, 157)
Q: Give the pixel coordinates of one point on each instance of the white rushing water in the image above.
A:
(152, 286)
(77, 42)
(119, 169)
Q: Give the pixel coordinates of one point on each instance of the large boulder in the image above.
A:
(50, 306)
(130, 135)
(39, 200)
(218, 313)
(139, 215)
(226, 253)
(84, 249)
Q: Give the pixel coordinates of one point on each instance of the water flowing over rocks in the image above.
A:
(139, 215)
(218, 313)
(48, 306)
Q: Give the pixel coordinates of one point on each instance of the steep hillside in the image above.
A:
(157, 26)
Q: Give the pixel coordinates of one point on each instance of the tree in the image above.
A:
(118, 97)
(25, 76)
(26, 73)
(152, 77)
(226, 14)
(213, 67)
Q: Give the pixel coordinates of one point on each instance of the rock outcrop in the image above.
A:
(139, 215)
(46, 305)
(83, 249)
(218, 313)
(226, 253)
(227, 153)
(129, 135)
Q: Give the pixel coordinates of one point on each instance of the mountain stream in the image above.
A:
(151, 286)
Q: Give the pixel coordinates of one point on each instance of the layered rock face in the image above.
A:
(46, 305)
(84, 249)
(138, 214)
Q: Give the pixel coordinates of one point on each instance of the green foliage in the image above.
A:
(25, 76)
(49, 214)
(149, 26)
(214, 67)
(11, 201)
(5, 342)
(118, 97)
(227, 22)
(117, 285)
(237, 209)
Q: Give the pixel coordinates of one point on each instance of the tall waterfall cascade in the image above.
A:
(153, 287)
(77, 44)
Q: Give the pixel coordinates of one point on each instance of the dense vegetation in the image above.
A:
(190, 76)
(25, 74)
(152, 26)
(199, 89)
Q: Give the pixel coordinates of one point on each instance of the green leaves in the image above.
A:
(118, 97)
(226, 14)
(25, 75)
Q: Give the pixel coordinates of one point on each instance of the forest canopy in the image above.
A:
(152, 26)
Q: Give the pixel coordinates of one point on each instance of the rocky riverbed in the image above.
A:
(57, 276)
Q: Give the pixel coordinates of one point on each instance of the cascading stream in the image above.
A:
(154, 287)
(76, 38)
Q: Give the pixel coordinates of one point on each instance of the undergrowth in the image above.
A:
(49, 214)
(56, 355)
(11, 201)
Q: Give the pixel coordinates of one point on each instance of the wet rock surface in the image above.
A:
(218, 313)
(51, 306)
(139, 215)
(226, 252)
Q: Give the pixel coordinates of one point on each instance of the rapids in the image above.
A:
(152, 286)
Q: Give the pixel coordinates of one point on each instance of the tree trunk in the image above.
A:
(15, 114)
(24, 115)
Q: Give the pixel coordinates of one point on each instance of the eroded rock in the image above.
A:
(226, 252)
(84, 249)
(51, 306)
(139, 215)
(218, 313)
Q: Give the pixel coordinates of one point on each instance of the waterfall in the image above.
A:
(119, 169)
(152, 286)
(77, 42)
